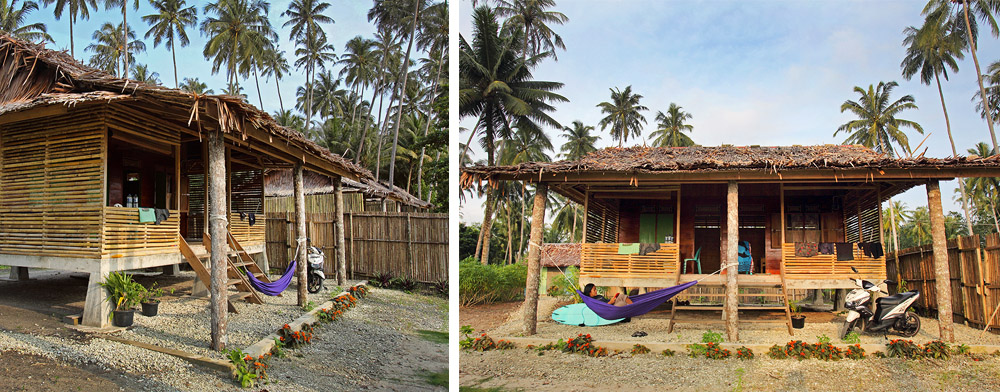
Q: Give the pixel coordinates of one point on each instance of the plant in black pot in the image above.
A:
(798, 320)
(150, 300)
(124, 293)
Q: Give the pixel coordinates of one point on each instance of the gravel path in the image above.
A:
(555, 371)
(656, 328)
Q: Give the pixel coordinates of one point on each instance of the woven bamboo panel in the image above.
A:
(124, 235)
(603, 261)
(320, 202)
(246, 234)
(827, 266)
(51, 185)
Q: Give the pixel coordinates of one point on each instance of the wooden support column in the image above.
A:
(300, 235)
(217, 221)
(942, 277)
(338, 195)
(534, 257)
(732, 287)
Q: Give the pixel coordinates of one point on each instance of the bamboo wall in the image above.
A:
(123, 235)
(52, 185)
(323, 202)
(975, 281)
(410, 244)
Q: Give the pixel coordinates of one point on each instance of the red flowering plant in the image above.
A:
(358, 291)
(714, 351)
(777, 352)
(854, 352)
(798, 349)
(744, 353)
(900, 348)
(826, 352)
(584, 344)
(249, 371)
(640, 349)
(294, 339)
(485, 343)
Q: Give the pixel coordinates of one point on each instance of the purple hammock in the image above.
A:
(641, 304)
(276, 287)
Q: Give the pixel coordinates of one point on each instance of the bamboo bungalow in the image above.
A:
(701, 204)
(81, 151)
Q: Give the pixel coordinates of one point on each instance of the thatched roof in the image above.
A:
(32, 76)
(278, 182)
(560, 255)
(633, 160)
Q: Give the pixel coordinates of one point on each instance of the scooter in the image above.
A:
(892, 313)
(315, 271)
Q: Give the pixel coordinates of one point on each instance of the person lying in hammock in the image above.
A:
(618, 300)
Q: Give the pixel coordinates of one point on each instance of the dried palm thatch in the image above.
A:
(560, 255)
(33, 76)
(635, 160)
(278, 182)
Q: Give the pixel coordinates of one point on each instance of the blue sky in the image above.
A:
(763, 72)
(350, 19)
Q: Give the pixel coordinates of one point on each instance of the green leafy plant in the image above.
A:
(483, 284)
(854, 352)
(823, 338)
(640, 349)
(714, 351)
(668, 352)
(295, 339)
(711, 337)
(899, 348)
(309, 306)
(903, 286)
(827, 352)
(961, 349)
(278, 350)
(151, 295)
(404, 284)
(852, 338)
(696, 350)
(777, 352)
(798, 349)
(466, 341)
(796, 308)
(564, 285)
(936, 349)
(584, 344)
(559, 345)
(739, 378)
(382, 280)
(123, 292)
(249, 371)
(744, 353)
(441, 286)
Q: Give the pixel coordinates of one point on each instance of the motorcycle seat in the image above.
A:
(895, 299)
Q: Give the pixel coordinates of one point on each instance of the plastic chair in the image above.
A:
(696, 260)
(745, 259)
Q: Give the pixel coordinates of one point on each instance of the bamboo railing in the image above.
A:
(245, 234)
(123, 235)
(601, 260)
(827, 266)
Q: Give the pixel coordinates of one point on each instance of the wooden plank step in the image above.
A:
(241, 265)
(233, 282)
(240, 295)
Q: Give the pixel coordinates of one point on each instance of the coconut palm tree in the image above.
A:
(169, 25)
(671, 127)
(433, 37)
(933, 49)
(919, 226)
(235, 28)
(77, 9)
(289, 119)
(123, 4)
(358, 63)
(111, 51)
(413, 20)
(622, 114)
(533, 19)
(193, 85)
(985, 11)
(498, 89)
(982, 191)
(877, 126)
(305, 17)
(12, 20)
(385, 49)
(579, 141)
(328, 98)
(141, 73)
(896, 214)
(234, 91)
(528, 144)
(273, 63)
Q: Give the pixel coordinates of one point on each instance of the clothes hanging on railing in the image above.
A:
(845, 251)
(806, 249)
(628, 249)
(826, 248)
(645, 249)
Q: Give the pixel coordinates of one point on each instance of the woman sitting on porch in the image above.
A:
(618, 300)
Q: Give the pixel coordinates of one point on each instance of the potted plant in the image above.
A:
(798, 320)
(124, 293)
(150, 300)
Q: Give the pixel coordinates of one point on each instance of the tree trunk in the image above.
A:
(125, 35)
(375, 88)
(300, 235)
(895, 238)
(534, 256)
(72, 52)
(378, 152)
(479, 243)
(979, 75)
(486, 228)
(427, 127)
(173, 54)
(338, 190)
(954, 153)
(217, 222)
(524, 204)
(942, 276)
(277, 85)
(732, 238)
(572, 234)
(257, 82)
(510, 237)
(406, 74)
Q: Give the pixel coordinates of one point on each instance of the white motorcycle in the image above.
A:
(315, 271)
(892, 313)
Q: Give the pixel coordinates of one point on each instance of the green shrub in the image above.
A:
(696, 350)
(639, 349)
(668, 352)
(854, 352)
(711, 337)
(852, 338)
(565, 286)
(777, 352)
(937, 350)
(713, 351)
(899, 348)
(744, 353)
(483, 284)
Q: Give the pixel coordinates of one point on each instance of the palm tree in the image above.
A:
(305, 16)
(877, 126)
(982, 191)
(622, 114)
(77, 9)
(579, 141)
(289, 119)
(498, 89)
(109, 4)
(896, 214)
(532, 18)
(111, 51)
(195, 86)
(433, 36)
(141, 73)
(671, 127)
(12, 21)
(329, 98)
(385, 49)
(984, 9)
(933, 49)
(234, 91)
(528, 144)
(413, 20)
(919, 227)
(992, 92)
(235, 29)
(273, 63)
(169, 25)
(358, 63)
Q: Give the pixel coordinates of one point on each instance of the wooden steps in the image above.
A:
(238, 261)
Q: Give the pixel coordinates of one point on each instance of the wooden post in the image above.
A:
(534, 256)
(338, 196)
(350, 225)
(732, 287)
(409, 248)
(300, 235)
(217, 221)
(942, 277)
(586, 213)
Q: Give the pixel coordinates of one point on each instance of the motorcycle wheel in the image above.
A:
(314, 284)
(908, 326)
(847, 328)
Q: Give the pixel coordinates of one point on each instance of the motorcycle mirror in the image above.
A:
(854, 269)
